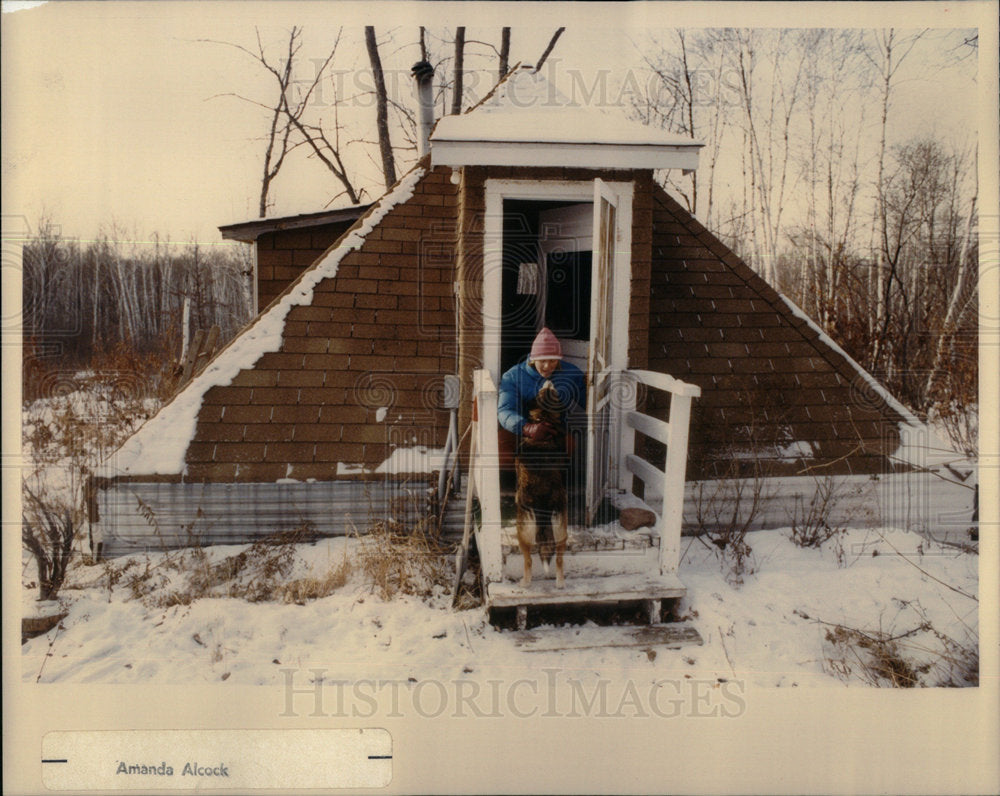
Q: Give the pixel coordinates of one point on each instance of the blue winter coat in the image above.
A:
(522, 382)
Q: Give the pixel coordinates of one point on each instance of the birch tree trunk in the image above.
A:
(952, 312)
(883, 231)
(891, 53)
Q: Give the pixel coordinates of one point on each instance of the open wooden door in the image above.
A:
(599, 358)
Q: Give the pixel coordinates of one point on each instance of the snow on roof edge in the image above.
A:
(880, 390)
(918, 444)
(159, 445)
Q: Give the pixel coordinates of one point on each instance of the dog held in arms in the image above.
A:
(541, 498)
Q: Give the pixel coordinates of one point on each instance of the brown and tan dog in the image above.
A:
(541, 499)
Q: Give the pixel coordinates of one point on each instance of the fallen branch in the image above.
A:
(928, 574)
(722, 638)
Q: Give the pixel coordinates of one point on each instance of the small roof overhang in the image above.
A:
(527, 122)
(249, 231)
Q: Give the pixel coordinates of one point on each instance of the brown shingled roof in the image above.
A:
(767, 378)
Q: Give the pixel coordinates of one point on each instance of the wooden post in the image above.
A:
(185, 328)
(628, 389)
(673, 483)
(462, 556)
(208, 349)
(488, 477)
(192, 355)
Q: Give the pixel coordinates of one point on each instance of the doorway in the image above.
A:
(546, 281)
(559, 254)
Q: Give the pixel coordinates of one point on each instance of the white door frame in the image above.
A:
(497, 190)
(601, 418)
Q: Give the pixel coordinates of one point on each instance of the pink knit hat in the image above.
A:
(546, 346)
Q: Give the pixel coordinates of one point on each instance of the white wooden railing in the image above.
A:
(484, 475)
(669, 481)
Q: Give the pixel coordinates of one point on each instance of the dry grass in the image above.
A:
(402, 553)
(300, 590)
(81, 416)
(259, 573)
(874, 657)
(392, 557)
(398, 554)
(919, 657)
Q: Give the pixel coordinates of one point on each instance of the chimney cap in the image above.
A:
(422, 69)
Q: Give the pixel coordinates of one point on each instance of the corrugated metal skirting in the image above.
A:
(158, 516)
(137, 517)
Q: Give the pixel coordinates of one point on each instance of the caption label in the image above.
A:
(216, 759)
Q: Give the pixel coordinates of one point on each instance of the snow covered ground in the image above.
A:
(778, 629)
(870, 605)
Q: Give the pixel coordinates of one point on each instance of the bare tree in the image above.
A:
(457, 72)
(288, 114)
(767, 126)
(329, 152)
(928, 254)
(504, 54)
(278, 133)
(278, 141)
(686, 98)
(956, 306)
(456, 95)
(549, 48)
(831, 167)
(381, 109)
(890, 51)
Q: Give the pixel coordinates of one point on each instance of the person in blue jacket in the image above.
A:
(521, 384)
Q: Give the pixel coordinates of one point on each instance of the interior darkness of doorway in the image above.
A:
(567, 313)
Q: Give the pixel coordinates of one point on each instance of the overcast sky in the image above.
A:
(117, 111)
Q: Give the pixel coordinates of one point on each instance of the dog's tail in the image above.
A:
(546, 537)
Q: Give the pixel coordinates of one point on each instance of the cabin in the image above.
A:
(370, 371)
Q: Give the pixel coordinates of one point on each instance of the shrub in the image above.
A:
(811, 525)
(726, 510)
(48, 533)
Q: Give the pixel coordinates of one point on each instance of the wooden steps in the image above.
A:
(602, 569)
(615, 588)
(670, 636)
(606, 567)
(646, 589)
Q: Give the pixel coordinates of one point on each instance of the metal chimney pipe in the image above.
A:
(423, 73)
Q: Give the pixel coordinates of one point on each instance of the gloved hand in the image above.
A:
(538, 432)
